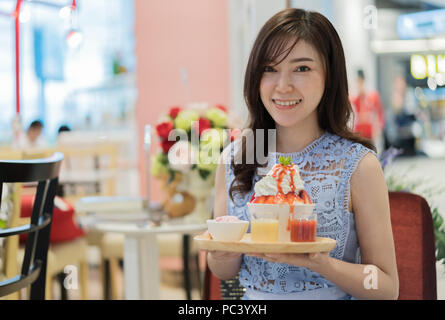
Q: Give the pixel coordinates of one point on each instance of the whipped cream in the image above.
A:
(268, 186)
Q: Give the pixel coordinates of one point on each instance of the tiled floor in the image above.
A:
(170, 289)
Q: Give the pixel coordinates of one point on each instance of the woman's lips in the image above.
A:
(286, 104)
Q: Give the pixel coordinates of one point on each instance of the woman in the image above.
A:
(296, 83)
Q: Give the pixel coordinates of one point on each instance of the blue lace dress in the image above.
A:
(326, 166)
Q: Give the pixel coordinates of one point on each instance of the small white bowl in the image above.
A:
(227, 231)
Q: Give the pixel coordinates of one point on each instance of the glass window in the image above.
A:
(89, 84)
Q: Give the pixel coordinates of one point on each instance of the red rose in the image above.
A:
(166, 145)
(221, 107)
(173, 112)
(163, 129)
(202, 125)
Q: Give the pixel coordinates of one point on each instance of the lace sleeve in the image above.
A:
(355, 154)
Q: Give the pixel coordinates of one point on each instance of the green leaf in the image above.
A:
(2, 224)
(204, 173)
(285, 161)
(171, 176)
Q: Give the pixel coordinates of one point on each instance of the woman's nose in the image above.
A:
(284, 83)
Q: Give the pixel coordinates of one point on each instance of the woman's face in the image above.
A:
(292, 90)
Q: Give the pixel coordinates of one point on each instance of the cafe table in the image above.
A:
(141, 252)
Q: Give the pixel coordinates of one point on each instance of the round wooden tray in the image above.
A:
(245, 245)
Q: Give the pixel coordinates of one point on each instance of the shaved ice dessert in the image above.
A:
(281, 210)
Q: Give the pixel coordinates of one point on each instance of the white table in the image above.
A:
(141, 253)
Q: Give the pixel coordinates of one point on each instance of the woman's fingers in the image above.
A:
(297, 259)
(220, 255)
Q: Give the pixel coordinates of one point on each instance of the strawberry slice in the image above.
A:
(305, 197)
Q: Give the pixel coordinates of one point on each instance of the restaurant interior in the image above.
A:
(102, 81)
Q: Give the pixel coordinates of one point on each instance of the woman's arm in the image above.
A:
(225, 265)
(370, 204)
(376, 277)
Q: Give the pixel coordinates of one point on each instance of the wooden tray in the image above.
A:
(245, 245)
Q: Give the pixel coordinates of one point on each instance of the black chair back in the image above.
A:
(45, 172)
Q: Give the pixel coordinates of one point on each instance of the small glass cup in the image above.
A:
(264, 226)
(303, 225)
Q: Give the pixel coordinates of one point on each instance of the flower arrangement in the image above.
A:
(190, 139)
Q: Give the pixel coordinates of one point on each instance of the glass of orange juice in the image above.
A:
(264, 226)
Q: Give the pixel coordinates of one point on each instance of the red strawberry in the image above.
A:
(305, 197)
(270, 200)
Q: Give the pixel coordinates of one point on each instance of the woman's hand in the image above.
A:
(224, 265)
(224, 255)
(311, 261)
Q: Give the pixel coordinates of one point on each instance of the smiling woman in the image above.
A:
(296, 83)
(292, 88)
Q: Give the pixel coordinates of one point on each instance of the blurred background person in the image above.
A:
(369, 112)
(63, 128)
(407, 128)
(33, 138)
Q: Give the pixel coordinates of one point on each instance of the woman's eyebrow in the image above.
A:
(295, 60)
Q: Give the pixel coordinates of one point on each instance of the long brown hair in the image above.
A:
(334, 110)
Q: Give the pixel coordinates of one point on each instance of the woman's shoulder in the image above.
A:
(351, 152)
(347, 144)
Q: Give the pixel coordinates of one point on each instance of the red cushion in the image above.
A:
(212, 289)
(413, 231)
(63, 228)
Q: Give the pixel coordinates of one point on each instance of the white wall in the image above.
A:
(246, 17)
(348, 17)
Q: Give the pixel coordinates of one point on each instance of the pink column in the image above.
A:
(171, 35)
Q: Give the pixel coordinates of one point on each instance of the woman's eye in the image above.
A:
(269, 69)
(302, 69)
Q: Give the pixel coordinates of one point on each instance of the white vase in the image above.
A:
(202, 190)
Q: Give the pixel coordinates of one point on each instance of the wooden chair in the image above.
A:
(88, 170)
(60, 254)
(413, 233)
(33, 271)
